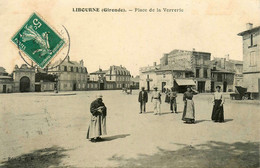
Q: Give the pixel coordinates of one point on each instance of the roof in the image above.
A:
(66, 62)
(187, 51)
(248, 31)
(2, 70)
(99, 72)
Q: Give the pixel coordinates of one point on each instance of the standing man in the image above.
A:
(156, 99)
(97, 125)
(173, 96)
(143, 98)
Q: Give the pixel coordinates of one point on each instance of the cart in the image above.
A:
(240, 94)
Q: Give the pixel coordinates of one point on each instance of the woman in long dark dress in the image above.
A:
(218, 110)
(189, 108)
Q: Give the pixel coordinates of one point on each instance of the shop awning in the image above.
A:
(184, 82)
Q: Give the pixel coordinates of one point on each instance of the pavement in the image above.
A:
(41, 130)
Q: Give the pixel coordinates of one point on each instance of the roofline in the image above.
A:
(248, 31)
(172, 70)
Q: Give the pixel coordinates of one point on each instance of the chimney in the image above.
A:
(193, 49)
(249, 26)
(154, 63)
(227, 57)
(81, 62)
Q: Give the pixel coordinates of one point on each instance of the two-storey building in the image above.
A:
(251, 59)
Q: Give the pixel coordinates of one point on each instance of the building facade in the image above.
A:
(226, 73)
(251, 60)
(165, 76)
(24, 78)
(98, 81)
(197, 62)
(71, 75)
(6, 82)
(116, 77)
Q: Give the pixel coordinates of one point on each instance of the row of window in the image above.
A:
(72, 69)
(65, 85)
(121, 78)
(73, 77)
(93, 85)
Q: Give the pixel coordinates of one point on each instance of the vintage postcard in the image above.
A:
(149, 84)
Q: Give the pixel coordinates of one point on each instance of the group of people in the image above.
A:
(98, 109)
(189, 108)
(157, 100)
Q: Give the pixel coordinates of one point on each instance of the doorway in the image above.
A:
(225, 87)
(4, 88)
(101, 86)
(37, 87)
(201, 86)
(163, 84)
(212, 87)
(74, 87)
(24, 84)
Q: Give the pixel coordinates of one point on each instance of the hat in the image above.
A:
(99, 96)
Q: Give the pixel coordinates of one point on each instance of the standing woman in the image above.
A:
(218, 110)
(189, 109)
(97, 126)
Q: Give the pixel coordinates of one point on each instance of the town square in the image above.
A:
(48, 130)
(149, 84)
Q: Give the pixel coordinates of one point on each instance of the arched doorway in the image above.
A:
(24, 84)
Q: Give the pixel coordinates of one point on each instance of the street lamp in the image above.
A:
(56, 79)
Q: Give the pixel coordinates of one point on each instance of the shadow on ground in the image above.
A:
(210, 155)
(110, 138)
(43, 158)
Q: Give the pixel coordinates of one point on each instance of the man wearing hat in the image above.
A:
(142, 99)
(156, 99)
(97, 126)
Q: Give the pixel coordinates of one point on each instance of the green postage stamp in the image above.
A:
(38, 40)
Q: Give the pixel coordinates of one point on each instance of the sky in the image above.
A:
(133, 39)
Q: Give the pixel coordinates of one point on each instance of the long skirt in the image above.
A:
(97, 127)
(189, 111)
(218, 112)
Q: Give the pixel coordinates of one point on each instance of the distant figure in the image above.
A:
(97, 125)
(156, 99)
(189, 109)
(167, 98)
(142, 98)
(173, 97)
(131, 89)
(218, 110)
